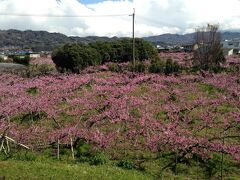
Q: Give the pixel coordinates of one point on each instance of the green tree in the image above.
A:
(75, 57)
(1, 59)
(144, 50)
(24, 61)
(104, 49)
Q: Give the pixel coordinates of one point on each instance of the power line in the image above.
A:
(64, 16)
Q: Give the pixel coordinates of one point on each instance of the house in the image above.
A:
(23, 54)
(190, 47)
(227, 52)
(231, 47)
(161, 49)
(34, 55)
(19, 54)
(4, 57)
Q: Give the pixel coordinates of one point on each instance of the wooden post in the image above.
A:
(3, 148)
(72, 148)
(8, 147)
(5, 139)
(58, 149)
(2, 143)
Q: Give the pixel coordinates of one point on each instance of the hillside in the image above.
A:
(40, 40)
(43, 40)
(184, 39)
(171, 39)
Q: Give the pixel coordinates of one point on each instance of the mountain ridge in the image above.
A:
(43, 40)
(186, 38)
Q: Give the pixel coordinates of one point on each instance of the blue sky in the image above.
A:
(153, 17)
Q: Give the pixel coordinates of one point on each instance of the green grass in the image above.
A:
(135, 113)
(141, 90)
(211, 90)
(31, 165)
(162, 115)
(12, 169)
(226, 108)
(32, 91)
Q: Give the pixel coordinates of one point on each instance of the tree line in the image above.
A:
(77, 56)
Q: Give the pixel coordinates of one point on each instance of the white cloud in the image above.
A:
(153, 17)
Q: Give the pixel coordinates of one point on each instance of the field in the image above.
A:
(120, 126)
(13, 169)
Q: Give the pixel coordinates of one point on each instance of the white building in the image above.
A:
(35, 55)
(227, 52)
(231, 47)
(4, 57)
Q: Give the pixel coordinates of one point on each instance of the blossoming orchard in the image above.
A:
(140, 116)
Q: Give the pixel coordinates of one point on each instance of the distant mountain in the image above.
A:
(230, 35)
(173, 39)
(43, 40)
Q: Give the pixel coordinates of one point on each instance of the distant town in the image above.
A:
(230, 47)
(7, 54)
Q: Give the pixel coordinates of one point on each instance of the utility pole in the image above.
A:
(133, 38)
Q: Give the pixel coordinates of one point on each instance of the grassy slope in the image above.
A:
(13, 169)
(30, 165)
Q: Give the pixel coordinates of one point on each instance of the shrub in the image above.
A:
(218, 69)
(98, 159)
(157, 66)
(126, 164)
(173, 97)
(139, 67)
(24, 61)
(1, 59)
(83, 151)
(114, 67)
(30, 117)
(171, 67)
(24, 156)
(40, 70)
(32, 90)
